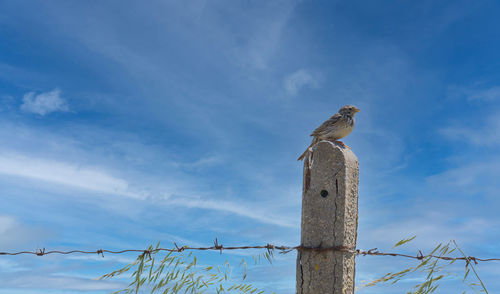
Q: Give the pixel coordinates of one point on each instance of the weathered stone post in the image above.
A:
(329, 219)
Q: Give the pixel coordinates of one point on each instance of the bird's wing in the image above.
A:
(323, 128)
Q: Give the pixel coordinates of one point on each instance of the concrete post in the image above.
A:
(329, 219)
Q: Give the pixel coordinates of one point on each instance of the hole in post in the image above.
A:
(324, 193)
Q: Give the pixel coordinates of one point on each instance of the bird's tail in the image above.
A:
(314, 141)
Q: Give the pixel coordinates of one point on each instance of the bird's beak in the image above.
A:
(357, 110)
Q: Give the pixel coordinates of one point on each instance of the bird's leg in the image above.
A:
(342, 144)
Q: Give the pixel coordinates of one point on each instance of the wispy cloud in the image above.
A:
(69, 174)
(294, 82)
(71, 162)
(474, 178)
(97, 180)
(238, 209)
(478, 92)
(490, 94)
(200, 163)
(44, 103)
(264, 33)
(487, 134)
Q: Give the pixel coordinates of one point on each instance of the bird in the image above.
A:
(336, 127)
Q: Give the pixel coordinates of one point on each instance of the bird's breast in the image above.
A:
(337, 132)
(343, 132)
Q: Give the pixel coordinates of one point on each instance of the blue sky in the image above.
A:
(124, 123)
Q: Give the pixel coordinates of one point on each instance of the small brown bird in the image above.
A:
(336, 127)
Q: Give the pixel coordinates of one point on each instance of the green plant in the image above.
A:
(435, 267)
(179, 272)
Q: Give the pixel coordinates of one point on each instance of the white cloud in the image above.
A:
(65, 174)
(44, 103)
(294, 82)
(238, 209)
(67, 161)
(93, 179)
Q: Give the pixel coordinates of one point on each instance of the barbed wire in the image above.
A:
(269, 247)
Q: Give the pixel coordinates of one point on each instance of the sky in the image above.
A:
(125, 123)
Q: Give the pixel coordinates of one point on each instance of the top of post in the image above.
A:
(328, 153)
(338, 149)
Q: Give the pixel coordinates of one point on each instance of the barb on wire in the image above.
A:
(269, 247)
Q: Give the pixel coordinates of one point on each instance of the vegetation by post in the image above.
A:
(329, 220)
